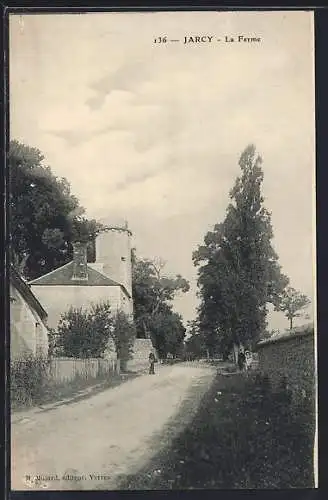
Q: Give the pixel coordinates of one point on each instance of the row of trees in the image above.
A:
(238, 269)
(46, 218)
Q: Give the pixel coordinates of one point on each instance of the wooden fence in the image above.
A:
(67, 369)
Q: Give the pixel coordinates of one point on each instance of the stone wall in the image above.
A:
(293, 357)
(141, 350)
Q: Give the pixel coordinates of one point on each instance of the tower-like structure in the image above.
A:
(114, 259)
(113, 251)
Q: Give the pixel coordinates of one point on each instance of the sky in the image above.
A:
(152, 133)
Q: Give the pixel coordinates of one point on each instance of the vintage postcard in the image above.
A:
(162, 260)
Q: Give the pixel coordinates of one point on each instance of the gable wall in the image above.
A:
(28, 334)
(58, 299)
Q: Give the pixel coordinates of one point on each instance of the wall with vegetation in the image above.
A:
(293, 358)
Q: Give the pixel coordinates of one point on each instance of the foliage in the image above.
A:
(53, 343)
(31, 383)
(153, 294)
(195, 344)
(45, 217)
(238, 267)
(151, 289)
(85, 333)
(29, 378)
(167, 332)
(195, 347)
(292, 304)
(123, 333)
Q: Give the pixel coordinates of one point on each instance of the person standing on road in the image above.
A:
(241, 360)
(152, 361)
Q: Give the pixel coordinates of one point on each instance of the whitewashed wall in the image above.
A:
(28, 334)
(59, 298)
(113, 251)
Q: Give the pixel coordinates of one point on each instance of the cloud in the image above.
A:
(82, 135)
(133, 179)
(154, 134)
(74, 138)
(125, 78)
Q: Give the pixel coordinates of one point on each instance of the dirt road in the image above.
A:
(89, 444)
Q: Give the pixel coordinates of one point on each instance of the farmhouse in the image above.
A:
(81, 284)
(28, 329)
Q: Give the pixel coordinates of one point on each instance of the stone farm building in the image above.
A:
(28, 329)
(81, 284)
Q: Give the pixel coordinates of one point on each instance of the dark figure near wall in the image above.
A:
(241, 360)
(152, 361)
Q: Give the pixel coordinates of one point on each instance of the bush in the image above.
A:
(84, 333)
(29, 379)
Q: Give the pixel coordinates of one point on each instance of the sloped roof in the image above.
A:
(26, 292)
(299, 331)
(63, 276)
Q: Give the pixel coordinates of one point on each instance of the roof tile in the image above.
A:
(63, 276)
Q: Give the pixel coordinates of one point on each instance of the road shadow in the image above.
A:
(164, 441)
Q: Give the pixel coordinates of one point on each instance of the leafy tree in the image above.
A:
(167, 332)
(195, 344)
(123, 333)
(153, 294)
(45, 217)
(85, 333)
(292, 304)
(152, 290)
(238, 267)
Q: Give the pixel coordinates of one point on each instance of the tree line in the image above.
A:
(238, 269)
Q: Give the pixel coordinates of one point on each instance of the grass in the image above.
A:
(31, 386)
(81, 388)
(244, 436)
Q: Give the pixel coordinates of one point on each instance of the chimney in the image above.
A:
(80, 271)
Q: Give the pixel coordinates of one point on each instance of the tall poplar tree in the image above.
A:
(239, 273)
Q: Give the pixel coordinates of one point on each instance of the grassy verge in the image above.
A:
(31, 386)
(243, 436)
(80, 388)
